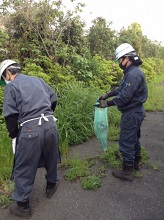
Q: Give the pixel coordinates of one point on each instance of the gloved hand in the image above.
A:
(103, 97)
(14, 144)
(102, 104)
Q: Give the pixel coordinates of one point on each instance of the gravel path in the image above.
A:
(143, 199)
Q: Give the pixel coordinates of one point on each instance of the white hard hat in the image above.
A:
(122, 50)
(4, 64)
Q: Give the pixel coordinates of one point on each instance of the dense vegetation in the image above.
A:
(77, 63)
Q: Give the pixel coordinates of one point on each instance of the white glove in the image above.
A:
(14, 144)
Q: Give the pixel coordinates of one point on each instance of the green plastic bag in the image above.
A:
(101, 126)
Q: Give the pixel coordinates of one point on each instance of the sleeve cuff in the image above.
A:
(111, 94)
(110, 103)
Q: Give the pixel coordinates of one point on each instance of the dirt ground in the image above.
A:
(142, 199)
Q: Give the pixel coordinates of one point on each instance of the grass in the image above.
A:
(76, 168)
(91, 182)
(114, 117)
(5, 193)
(155, 100)
(6, 156)
(155, 167)
(75, 113)
(112, 157)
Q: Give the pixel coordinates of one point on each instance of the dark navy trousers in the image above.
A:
(129, 144)
(35, 142)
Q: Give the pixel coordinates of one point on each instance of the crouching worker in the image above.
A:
(28, 108)
(129, 97)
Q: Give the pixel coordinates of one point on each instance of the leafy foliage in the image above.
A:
(76, 168)
(91, 182)
(6, 155)
(101, 38)
(133, 35)
(75, 113)
(112, 157)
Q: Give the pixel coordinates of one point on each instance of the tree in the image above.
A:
(133, 35)
(101, 38)
(74, 34)
(35, 28)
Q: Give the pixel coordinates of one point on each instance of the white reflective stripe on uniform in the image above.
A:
(40, 119)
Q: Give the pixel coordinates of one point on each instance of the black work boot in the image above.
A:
(21, 209)
(50, 189)
(137, 162)
(125, 174)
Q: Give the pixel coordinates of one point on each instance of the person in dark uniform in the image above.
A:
(28, 108)
(129, 97)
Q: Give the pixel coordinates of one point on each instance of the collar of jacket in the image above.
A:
(128, 68)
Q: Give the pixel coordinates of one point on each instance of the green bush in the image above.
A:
(75, 114)
(32, 69)
(155, 101)
(148, 69)
(6, 155)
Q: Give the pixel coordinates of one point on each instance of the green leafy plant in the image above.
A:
(91, 182)
(114, 117)
(155, 166)
(76, 168)
(137, 175)
(101, 171)
(112, 157)
(144, 155)
(5, 200)
(5, 193)
(75, 114)
(155, 100)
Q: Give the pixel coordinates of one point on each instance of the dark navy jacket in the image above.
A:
(26, 97)
(132, 91)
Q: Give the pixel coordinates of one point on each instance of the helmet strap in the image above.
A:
(8, 73)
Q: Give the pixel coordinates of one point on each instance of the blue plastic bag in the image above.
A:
(101, 126)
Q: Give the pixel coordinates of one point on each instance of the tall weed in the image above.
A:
(155, 100)
(6, 156)
(75, 113)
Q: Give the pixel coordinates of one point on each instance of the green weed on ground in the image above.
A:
(90, 171)
(91, 182)
(5, 193)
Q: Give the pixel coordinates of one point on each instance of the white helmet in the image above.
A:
(122, 50)
(4, 64)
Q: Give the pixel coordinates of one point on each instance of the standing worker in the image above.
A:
(28, 109)
(129, 97)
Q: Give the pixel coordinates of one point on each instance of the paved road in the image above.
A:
(143, 199)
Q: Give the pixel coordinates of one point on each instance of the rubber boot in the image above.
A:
(21, 209)
(137, 162)
(50, 189)
(125, 174)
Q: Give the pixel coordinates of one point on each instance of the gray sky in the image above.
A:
(149, 14)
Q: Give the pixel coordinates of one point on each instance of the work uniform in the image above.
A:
(129, 98)
(28, 109)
